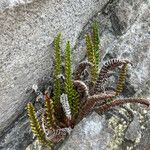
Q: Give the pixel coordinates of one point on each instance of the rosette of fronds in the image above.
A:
(63, 111)
(96, 42)
(71, 93)
(57, 69)
(91, 54)
(36, 127)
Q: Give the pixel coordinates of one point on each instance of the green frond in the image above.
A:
(96, 41)
(91, 57)
(121, 79)
(72, 94)
(68, 71)
(35, 126)
(49, 113)
(57, 69)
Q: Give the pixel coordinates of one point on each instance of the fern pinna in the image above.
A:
(36, 127)
(76, 98)
(57, 69)
(72, 94)
(96, 42)
(91, 57)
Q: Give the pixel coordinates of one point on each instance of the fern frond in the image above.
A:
(103, 74)
(96, 41)
(92, 101)
(91, 57)
(119, 102)
(35, 126)
(72, 94)
(80, 68)
(59, 134)
(81, 88)
(57, 69)
(121, 79)
(65, 105)
(49, 113)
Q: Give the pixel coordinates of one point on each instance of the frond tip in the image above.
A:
(35, 126)
(96, 41)
(91, 57)
(121, 79)
(80, 68)
(103, 74)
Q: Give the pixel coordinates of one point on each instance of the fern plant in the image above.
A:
(74, 99)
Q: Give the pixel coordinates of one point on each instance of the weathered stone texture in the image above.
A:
(26, 32)
(91, 133)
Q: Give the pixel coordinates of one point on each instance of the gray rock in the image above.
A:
(133, 44)
(91, 133)
(26, 56)
(18, 136)
(134, 129)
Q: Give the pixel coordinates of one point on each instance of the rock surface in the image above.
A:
(91, 133)
(26, 55)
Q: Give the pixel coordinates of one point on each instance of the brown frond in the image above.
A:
(92, 101)
(119, 102)
(57, 135)
(81, 88)
(103, 74)
(80, 68)
(49, 112)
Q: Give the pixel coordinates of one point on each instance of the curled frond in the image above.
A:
(57, 69)
(121, 79)
(35, 126)
(119, 102)
(103, 74)
(80, 68)
(81, 88)
(91, 57)
(92, 101)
